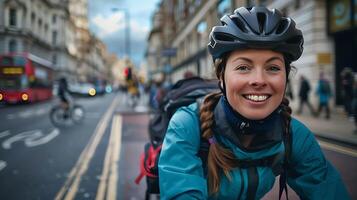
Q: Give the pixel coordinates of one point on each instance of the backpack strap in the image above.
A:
(148, 160)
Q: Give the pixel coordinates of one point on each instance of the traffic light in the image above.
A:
(127, 73)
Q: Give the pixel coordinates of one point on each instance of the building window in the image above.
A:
(251, 3)
(297, 4)
(54, 37)
(54, 59)
(263, 2)
(223, 7)
(12, 46)
(33, 19)
(12, 17)
(39, 23)
(46, 29)
(54, 19)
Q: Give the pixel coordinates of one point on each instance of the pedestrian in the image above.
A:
(246, 121)
(304, 95)
(324, 93)
(347, 89)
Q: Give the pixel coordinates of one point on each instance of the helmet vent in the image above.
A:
(261, 21)
(239, 24)
(282, 26)
(224, 37)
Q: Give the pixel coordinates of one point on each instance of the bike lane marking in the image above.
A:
(31, 138)
(71, 185)
(108, 186)
(338, 148)
(3, 164)
(4, 133)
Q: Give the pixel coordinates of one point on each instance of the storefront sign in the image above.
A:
(339, 15)
(324, 58)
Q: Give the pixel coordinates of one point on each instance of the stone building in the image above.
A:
(56, 30)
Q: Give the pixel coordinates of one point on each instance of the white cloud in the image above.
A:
(138, 31)
(108, 25)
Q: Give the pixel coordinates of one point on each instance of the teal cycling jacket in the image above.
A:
(181, 174)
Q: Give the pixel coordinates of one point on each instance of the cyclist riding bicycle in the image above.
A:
(63, 93)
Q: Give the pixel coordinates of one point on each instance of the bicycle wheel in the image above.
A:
(59, 118)
(77, 114)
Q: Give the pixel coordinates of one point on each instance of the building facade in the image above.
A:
(329, 40)
(56, 30)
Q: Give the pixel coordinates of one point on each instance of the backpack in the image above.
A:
(184, 93)
(325, 87)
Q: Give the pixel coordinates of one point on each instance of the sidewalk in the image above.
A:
(338, 127)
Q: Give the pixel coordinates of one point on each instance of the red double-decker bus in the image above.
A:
(25, 78)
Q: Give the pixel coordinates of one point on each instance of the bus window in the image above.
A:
(12, 61)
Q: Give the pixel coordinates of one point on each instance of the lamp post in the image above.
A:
(127, 28)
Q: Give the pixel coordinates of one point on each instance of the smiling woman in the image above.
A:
(252, 137)
(255, 82)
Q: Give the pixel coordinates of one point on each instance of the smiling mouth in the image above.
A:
(256, 98)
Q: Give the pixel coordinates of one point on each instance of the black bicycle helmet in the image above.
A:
(256, 28)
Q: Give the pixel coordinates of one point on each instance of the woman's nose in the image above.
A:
(258, 79)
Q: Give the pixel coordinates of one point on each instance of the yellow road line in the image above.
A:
(338, 148)
(113, 178)
(110, 163)
(73, 181)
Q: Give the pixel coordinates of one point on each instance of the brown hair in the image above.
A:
(221, 159)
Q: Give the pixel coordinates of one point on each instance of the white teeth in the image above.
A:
(257, 97)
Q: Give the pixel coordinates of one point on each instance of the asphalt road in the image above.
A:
(97, 159)
(36, 158)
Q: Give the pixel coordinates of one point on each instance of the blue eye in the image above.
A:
(274, 68)
(242, 68)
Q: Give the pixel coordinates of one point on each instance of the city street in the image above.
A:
(98, 158)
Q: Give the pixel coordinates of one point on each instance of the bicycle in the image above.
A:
(65, 116)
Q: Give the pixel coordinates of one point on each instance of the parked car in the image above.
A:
(83, 89)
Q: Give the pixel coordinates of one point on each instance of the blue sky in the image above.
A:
(109, 26)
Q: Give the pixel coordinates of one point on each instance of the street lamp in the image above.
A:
(127, 28)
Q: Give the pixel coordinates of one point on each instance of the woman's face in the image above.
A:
(255, 82)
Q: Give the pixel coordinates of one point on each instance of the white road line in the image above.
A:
(338, 148)
(3, 164)
(4, 133)
(31, 142)
(26, 114)
(11, 116)
(41, 111)
(30, 138)
(72, 183)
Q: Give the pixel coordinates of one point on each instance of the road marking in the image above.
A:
(2, 164)
(338, 148)
(4, 133)
(111, 160)
(30, 142)
(31, 138)
(113, 179)
(11, 116)
(26, 114)
(72, 183)
(41, 111)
